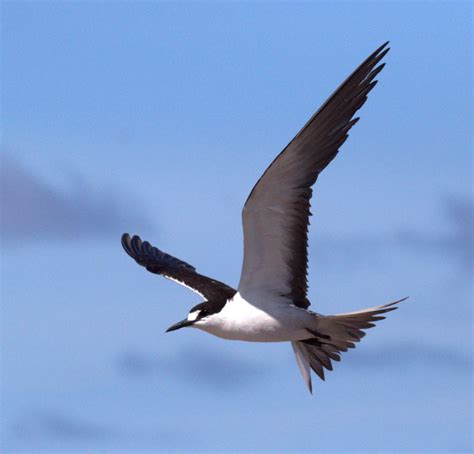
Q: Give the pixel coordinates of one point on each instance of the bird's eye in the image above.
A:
(203, 313)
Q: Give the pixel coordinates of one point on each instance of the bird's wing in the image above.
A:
(276, 214)
(183, 273)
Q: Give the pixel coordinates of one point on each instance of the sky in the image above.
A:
(157, 118)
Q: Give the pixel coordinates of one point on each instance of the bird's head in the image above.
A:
(199, 315)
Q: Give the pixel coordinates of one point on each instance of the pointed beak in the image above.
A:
(179, 325)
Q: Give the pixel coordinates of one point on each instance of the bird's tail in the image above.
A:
(334, 334)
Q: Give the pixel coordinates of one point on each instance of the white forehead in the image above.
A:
(193, 315)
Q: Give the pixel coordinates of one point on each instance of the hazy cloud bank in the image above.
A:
(203, 367)
(453, 241)
(56, 425)
(32, 209)
(406, 354)
(456, 219)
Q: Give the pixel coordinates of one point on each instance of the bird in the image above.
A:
(270, 303)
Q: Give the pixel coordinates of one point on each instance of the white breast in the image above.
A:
(276, 322)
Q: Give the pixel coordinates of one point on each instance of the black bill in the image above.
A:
(181, 324)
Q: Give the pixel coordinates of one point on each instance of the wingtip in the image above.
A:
(125, 240)
(380, 51)
(393, 306)
(130, 244)
(401, 301)
(136, 243)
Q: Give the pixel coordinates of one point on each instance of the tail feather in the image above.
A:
(330, 351)
(335, 334)
(302, 360)
(315, 363)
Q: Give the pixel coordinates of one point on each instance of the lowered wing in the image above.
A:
(276, 214)
(159, 262)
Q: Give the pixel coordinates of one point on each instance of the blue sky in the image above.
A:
(157, 119)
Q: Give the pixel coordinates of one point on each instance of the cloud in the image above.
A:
(30, 208)
(53, 425)
(406, 354)
(213, 370)
(453, 241)
(203, 367)
(456, 242)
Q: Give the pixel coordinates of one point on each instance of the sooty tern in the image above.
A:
(270, 304)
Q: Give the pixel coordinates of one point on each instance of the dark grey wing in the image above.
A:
(159, 262)
(276, 214)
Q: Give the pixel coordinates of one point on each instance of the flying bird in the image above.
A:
(270, 303)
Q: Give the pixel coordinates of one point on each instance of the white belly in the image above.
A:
(272, 322)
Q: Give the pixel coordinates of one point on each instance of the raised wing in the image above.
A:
(276, 214)
(159, 262)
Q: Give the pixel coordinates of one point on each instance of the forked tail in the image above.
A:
(334, 334)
